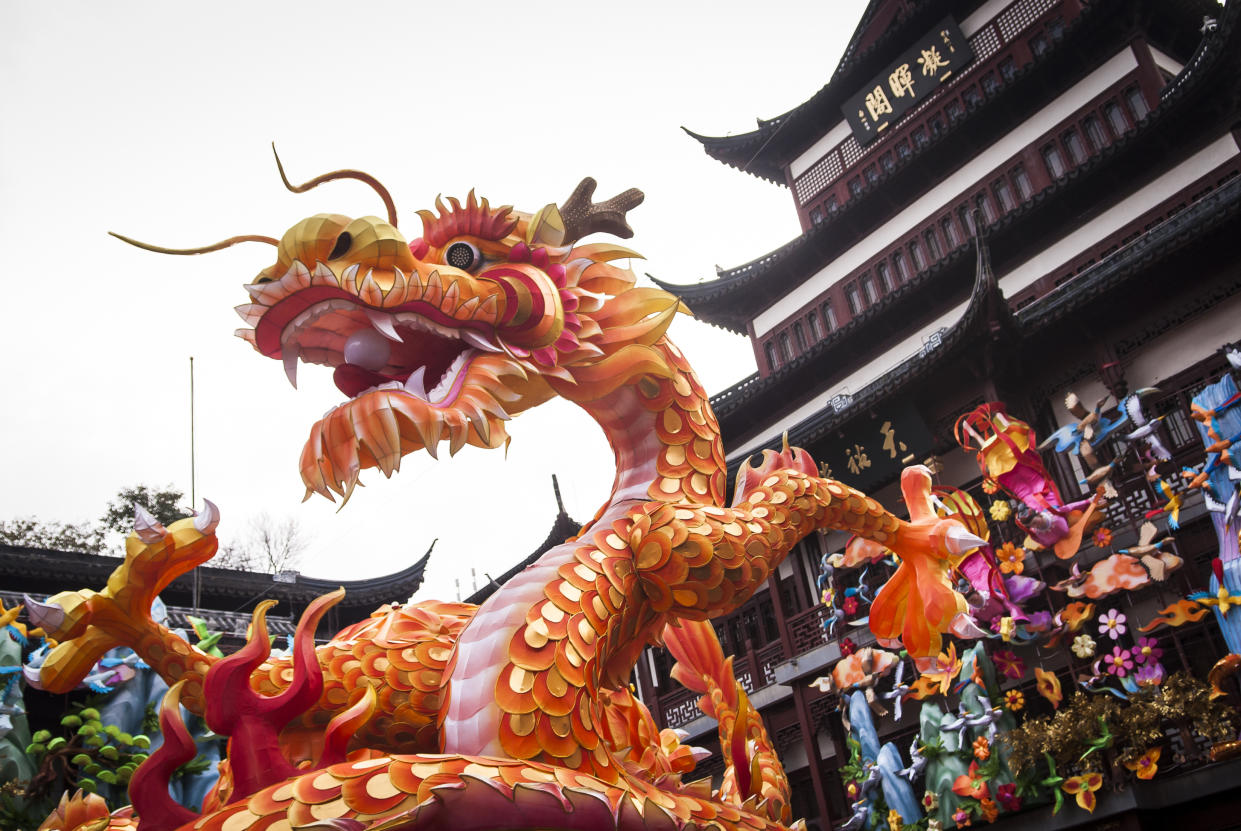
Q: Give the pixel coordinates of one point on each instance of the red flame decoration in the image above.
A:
(148, 787)
(253, 721)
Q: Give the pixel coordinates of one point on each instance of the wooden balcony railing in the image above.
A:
(680, 706)
(806, 629)
(766, 659)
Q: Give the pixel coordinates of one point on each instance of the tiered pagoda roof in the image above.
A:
(1204, 95)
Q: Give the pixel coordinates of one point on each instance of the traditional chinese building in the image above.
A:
(1000, 201)
(225, 597)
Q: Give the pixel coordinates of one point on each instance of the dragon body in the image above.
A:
(513, 714)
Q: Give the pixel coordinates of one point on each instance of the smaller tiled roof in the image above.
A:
(40, 571)
(984, 311)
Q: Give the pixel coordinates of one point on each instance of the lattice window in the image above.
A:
(850, 151)
(1020, 15)
(985, 43)
(822, 710)
(787, 736)
(745, 676)
(825, 171)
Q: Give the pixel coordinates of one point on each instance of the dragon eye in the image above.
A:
(463, 255)
(343, 242)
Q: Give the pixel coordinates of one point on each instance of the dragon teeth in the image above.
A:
(369, 291)
(399, 284)
(297, 277)
(349, 278)
(384, 324)
(416, 386)
(289, 352)
(450, 377)
(451, 296)
(478, 341)
(323, 276)
(434, 290)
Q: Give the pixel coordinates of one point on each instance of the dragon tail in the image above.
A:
(753, 775)
(88, 623)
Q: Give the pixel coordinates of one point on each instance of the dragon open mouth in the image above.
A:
(426, 365)
(389, 349)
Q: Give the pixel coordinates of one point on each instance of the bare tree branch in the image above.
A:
(271, 545)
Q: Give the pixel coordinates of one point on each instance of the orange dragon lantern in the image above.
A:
(514, 714)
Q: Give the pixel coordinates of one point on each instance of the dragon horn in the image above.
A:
(582, 216)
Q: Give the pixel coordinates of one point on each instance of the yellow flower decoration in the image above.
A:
(1083, 788)
(1000, 511)
(1014, 700)
(1008, 628)
(1011, 558)
(1146, 765)
(1049, 686)
(948, 665)
(894, 820)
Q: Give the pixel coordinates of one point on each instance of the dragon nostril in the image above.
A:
(343, 243)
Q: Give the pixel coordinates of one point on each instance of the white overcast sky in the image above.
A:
(154, 119)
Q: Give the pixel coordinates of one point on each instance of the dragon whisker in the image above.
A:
(206, 249)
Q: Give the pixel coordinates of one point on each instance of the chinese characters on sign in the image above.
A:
(858, 460)
(890, 442)
(908, 81)
(875, 449)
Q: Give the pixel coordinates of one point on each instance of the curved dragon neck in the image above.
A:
(668, 449)
(665, 438)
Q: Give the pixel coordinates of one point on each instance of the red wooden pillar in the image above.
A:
(810, 741)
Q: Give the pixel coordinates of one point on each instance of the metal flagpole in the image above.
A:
(193, 472)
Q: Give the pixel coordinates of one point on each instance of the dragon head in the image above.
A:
(445, 337)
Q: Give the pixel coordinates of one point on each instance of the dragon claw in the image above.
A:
(147, 527)
(208, 518)
(958, 540)
(47, 616)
